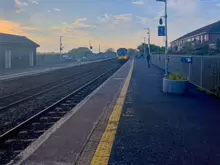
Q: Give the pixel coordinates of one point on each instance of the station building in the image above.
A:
(17, 52)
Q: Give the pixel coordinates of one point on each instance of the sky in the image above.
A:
(110, 23)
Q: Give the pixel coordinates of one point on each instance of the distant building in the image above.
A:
(204, 36)
(17, 51)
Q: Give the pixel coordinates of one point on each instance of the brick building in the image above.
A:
(17, 51)
(200, 37)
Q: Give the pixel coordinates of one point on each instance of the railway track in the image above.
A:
(18, 138)
(21, 96)
(20, 111)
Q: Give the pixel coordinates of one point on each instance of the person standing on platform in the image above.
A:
(148, 60)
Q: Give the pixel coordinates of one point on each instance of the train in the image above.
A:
(122, 54)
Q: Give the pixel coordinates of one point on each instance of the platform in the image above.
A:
(79, 133)
(10, 74)
(162, 129)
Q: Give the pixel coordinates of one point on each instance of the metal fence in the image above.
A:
(204, 71)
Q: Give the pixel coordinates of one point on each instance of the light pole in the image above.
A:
(166, 42)
(148, 39)
(144, 45)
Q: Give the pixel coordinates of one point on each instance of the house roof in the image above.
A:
(15, 39)
(211, 28)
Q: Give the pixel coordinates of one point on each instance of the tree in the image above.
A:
(153, 48)
(80, 52)
(187, 48)
(110, 50)
(132, 52)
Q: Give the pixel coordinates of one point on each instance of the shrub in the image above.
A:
(176, 76)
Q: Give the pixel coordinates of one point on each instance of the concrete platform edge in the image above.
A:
(105, 145)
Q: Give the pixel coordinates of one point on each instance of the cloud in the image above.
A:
(18, 3)
(34, 2)
(115, 19)
(19, 11)
(144, 20)
(15, 28)
(55, 9)
(218, 4)
(104, 19)
(77, 24)
(138, 2)
(122, 18)
(26, 28)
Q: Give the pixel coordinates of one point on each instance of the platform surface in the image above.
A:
(162, 129)
(64, 146)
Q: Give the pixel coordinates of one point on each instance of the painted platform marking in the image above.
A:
(103, 151)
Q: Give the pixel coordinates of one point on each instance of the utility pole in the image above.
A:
(61, 47)
(166, 42)
(148, 39)
(144, 46)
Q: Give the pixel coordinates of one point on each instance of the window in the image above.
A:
(206, 37)
(201, 38)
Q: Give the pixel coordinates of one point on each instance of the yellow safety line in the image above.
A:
(103, 151)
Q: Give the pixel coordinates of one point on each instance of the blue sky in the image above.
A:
(110, 23)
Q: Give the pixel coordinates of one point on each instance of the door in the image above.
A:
(31, 59)
(7, 59)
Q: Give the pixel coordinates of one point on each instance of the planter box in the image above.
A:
(175, 86)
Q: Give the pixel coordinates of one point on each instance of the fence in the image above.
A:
(204, 71)
(55, 59)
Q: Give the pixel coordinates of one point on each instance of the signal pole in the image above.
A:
(166, 36)
(61, 46)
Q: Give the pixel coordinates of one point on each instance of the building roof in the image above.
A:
(15, 39)
(211, 28)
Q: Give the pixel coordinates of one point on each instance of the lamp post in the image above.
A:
(148, 39)
(166, 42)
(144, 45)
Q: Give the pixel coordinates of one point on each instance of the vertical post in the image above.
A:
(189, 74)
(201, 72)
(99, 48)
(149, 41)
(144, 47)
(60, 47)
(166, 44)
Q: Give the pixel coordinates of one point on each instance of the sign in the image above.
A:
(161, 21)
(161, 31)
(186, 59)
